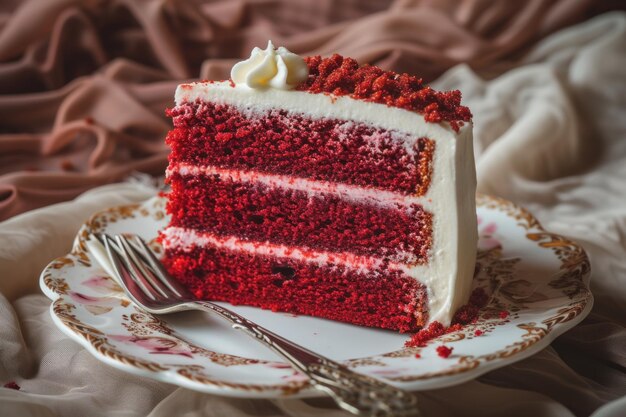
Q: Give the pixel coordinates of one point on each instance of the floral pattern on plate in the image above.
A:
(537, 282)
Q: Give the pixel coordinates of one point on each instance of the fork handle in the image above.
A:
(352, 391)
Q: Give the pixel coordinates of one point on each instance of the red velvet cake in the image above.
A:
(317, 186)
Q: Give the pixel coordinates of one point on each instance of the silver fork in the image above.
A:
(147, 284)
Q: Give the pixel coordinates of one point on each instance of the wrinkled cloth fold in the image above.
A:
(550, 135)
(84, 83)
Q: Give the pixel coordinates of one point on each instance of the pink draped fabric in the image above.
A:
(84, 84)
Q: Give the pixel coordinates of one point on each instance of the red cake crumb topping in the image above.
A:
(434, 329)
(12, 385)
(465, 315)
(469, 312)
(418, 356)
(478, 333)
(504, 314)
(343, 76)
(444, 351)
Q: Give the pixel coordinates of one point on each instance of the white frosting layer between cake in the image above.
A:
(450, 197)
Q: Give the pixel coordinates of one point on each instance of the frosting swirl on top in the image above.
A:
(271, 67)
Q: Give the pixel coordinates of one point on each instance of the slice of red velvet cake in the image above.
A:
(315, 186)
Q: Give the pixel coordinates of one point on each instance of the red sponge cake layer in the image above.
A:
(218, 204)
(282, 143)
(379, 298)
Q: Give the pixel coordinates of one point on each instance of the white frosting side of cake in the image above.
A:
(450, 197)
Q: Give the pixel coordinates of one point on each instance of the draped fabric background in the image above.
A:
(84, 84)
(83, 88)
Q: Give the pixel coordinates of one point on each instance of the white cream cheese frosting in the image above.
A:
(270, 67)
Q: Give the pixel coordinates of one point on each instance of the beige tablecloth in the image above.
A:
(550, 134)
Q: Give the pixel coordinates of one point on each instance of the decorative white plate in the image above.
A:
(538, 277)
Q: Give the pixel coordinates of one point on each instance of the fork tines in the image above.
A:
(138, 268)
